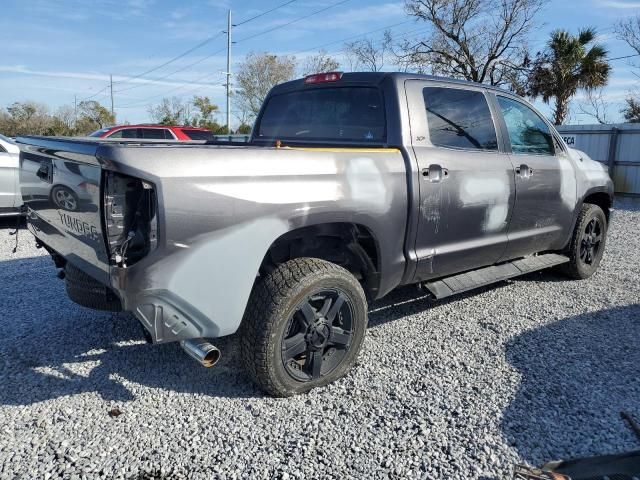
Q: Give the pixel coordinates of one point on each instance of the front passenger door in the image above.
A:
(545, 182)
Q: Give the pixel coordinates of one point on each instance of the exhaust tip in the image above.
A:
(202, 351)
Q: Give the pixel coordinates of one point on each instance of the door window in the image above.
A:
(168, 135)
(459, 118)
(153, 133)
(125, 133)
(528, 133)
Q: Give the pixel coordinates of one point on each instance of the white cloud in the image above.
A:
(619, 4)
(96, 76)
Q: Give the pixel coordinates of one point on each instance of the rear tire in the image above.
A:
(303, 327)
(88, 292)
(587, 243)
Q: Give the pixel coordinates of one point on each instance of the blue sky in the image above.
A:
(53, 50)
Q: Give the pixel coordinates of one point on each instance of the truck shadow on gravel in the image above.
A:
(52, 348)
(578, 374)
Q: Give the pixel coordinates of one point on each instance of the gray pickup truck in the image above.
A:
(351, 185)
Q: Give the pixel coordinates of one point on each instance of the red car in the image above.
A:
(156, 132)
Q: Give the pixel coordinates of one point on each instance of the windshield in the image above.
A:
(339, 115)
(7, 139)
(99, 133)
(198, 134)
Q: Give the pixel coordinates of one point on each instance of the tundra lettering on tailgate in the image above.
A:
(78, 226)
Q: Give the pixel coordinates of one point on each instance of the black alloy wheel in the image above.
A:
(591, 241)
(587, 243)
(303, 327)
(318, 335)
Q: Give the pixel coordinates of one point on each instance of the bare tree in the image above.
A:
(595, 106)
(170, 111)
(258, 74)
(319, 63)
(479, 40)
(31, 118)
(63, 122)
(367, 54)
(24, 118)
(628, 30)
(96, 113)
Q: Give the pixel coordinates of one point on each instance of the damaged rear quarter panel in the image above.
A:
(221, 208)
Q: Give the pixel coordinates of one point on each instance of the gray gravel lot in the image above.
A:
(530, 370)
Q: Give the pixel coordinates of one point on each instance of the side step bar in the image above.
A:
(462, 282)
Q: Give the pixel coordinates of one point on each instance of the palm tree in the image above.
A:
(568, 63)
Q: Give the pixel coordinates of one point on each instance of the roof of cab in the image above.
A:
(374, 78)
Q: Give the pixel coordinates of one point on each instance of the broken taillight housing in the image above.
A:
(130, 217)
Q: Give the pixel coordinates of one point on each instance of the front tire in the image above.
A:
(303, 327)
(587, 243)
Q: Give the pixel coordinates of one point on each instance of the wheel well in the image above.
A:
(602, 199)
(349, 245)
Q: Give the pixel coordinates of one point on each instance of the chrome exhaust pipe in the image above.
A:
(202, 351)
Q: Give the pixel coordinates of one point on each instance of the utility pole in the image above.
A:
(229, 72)
(111, 88)
(75, 112)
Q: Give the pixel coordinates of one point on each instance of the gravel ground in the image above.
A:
(526, 371)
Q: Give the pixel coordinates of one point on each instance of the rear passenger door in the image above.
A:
(545, 181)
(466, 180)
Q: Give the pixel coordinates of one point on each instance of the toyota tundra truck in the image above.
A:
(351, 185)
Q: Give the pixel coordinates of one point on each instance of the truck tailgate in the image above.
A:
(60, 181)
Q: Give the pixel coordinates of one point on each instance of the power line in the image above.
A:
(244, 39)
(142, 102)
(95, 94)
(181, 69)
(178, 57)
(269, 30)
(264, 13)
(351, 37)
(626, 56)
(194, 48)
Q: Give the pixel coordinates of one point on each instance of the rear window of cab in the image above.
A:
(336, 114)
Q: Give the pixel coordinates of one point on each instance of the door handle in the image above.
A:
(435, 173)
(524, 171)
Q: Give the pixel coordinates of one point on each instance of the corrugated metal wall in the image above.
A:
(618, 146)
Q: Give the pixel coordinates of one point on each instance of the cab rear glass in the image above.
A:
(334, 115)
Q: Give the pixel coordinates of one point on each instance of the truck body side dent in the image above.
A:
(221, 215)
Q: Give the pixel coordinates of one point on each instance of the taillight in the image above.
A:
(323, 77)
(130, 216)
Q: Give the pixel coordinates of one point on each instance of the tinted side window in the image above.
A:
(125, 133)
(2, 149)
(153, 133)
(168, 135)
(528, 133)
(459, 119)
